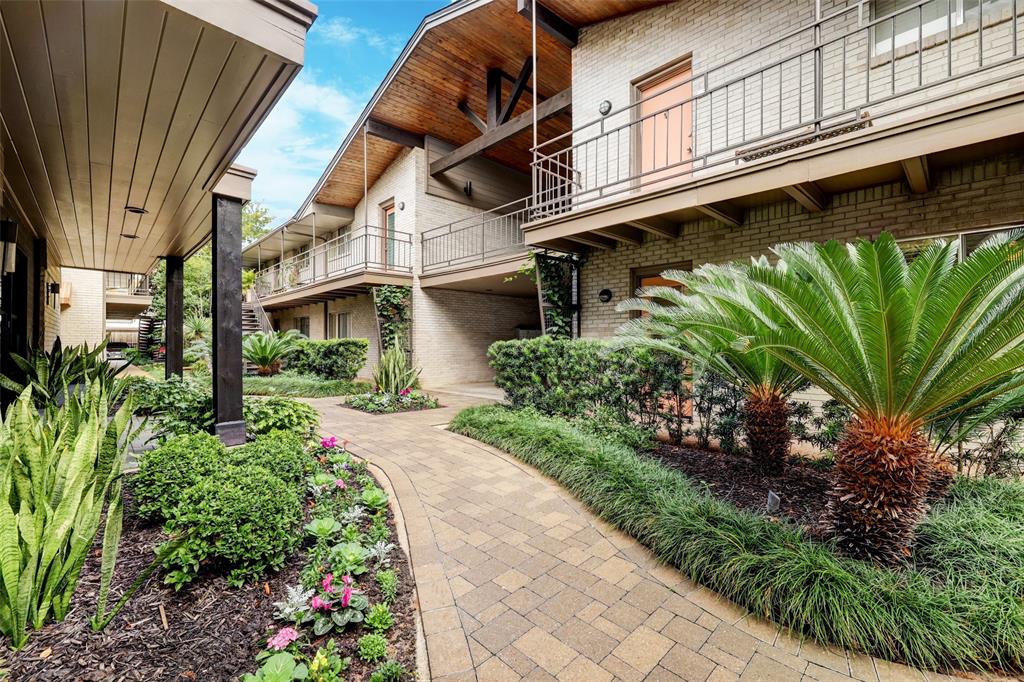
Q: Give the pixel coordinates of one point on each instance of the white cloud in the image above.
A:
(297, 140)
(341, 31)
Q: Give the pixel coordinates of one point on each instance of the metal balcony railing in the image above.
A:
(129, 283)
(364, 248)
(841, 73)
(484, 237)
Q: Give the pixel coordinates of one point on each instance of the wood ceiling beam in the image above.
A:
(463, 106)
(489, 138)
(659, 227)
(393, 134)
(918, 176)
(518, 88)
(808, 195)
(623, 233)
(551, 23)
(592, 239)
(494, 77)
(724, 212)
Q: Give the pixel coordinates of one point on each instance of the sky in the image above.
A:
(349, 49)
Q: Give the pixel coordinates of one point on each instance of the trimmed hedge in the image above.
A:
(330, 359)
(572, 377)
(280, 452)
(166, 472)
(961, 605)
(302, 386)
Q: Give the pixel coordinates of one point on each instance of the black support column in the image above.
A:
(227, 320)
(174, 316)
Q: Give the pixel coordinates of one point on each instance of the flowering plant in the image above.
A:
(282, 638)
(329, 443)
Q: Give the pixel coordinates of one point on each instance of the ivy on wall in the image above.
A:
(394, 314)
(557, 277)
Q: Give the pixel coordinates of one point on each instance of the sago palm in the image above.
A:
(705, 325)
(902, 345)
(267, 350)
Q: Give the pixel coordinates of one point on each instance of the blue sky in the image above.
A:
(348, 50)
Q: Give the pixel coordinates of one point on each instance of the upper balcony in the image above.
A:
(127, 291)
(344, 266)
(843, 103)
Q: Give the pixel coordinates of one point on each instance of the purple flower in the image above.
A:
(340, 484)
(329, 443)
(283, 638)
(326, 582)
(405, 392)
(318, 604)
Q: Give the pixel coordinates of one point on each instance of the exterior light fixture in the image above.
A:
(128, 235)
(137, 210)
(604, 295)
(605, 107)
(401, 205)
(9, 242)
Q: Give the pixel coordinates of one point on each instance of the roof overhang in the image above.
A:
(120, 118)
(318, 222)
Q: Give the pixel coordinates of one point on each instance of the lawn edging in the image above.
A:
(775, 571)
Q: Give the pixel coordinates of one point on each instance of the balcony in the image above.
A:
(344, 266)
(488, 238)
(127, 292)
(844, 99)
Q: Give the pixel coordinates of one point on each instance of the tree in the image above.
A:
(902, 346)
(706, 325)
(256, 219)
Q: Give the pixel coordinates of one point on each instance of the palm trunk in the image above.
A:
(883, 474)
(766, 423)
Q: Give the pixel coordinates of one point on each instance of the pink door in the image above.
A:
(666, 128)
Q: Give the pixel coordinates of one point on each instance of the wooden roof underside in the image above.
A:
(449, 65)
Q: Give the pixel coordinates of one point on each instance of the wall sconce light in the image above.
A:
(467, 189)
(52, 289)
(604, 295)
(605, 107)
(401, 205)
(9, 241)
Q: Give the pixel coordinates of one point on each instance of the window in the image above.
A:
(338, 250)
(967, 242)
(338, 325)
(933, 19)
(302, 325)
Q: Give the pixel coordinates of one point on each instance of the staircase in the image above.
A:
(150, 329)
(250, 319)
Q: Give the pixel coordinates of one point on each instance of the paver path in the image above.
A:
(516, 580)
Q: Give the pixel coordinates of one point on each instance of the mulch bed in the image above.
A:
(802, 488)
(212, 631)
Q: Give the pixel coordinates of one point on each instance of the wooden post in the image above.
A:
(228, 425)
(174, 317)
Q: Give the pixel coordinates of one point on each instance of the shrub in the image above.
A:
(50, 373)
(171, 469)
(242, 519)
(182, 406)
(960, 605)
(389, 671)
(373, 647)
(379, 618)
(573, 377)
(301, 386)
(387, 580)
(393, 375)
(338, 359)
(279, 452)
(608, 426)
(267, 350)
(263, 415)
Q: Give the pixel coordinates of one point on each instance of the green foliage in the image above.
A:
(282, 453)
(265, 415)
(387, 580)
(50, 373)
(197, 327)
(197, 293)
(373, 647)
(374, 499)
(348, 558)
(323, 528)
(608, 426)
(394, 315)
(554, 275)
(279, 667)
(267, 350)
(573, 377)
(167, 472)
(327, 665)
(256, 219)
(241, 519)
(300, 386)
(334, 359)
(960, 605)
(58, 470)
(380, 402)
(379, 618)
(389, 671)
(715, 400)
(393, 374)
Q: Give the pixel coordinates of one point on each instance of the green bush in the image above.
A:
(280, 452)
(181, 406)
(960, 604)
(379, 618)
(241, 519)
(573, 377)
(373, 647)
(167, 472)
(263, 415)
(301, 386)
(339, 359)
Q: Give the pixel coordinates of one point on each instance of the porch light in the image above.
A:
(9, 241)
(604, 295)
(136, 210)
(605, 107)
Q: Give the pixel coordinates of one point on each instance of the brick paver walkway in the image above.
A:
(516, 580)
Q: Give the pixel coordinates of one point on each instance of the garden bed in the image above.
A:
(212, 631)
(379, 402)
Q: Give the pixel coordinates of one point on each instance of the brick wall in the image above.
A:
(84, 320)
(982, 194)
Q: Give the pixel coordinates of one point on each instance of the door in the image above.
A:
(666, 127)
(389, 235)
(14, 324)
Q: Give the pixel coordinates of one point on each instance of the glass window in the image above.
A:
(905, 24)
(302, 325)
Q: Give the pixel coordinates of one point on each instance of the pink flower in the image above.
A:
(282, 639)
(347, 579)
(326, 582)
(328, 442)
(340, 484)
(319, 604)
(346, 597)
(405, 391)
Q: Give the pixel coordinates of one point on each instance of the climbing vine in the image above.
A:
(557, 278)
(394, 312)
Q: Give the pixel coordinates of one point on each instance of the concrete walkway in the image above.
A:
(516, 580)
